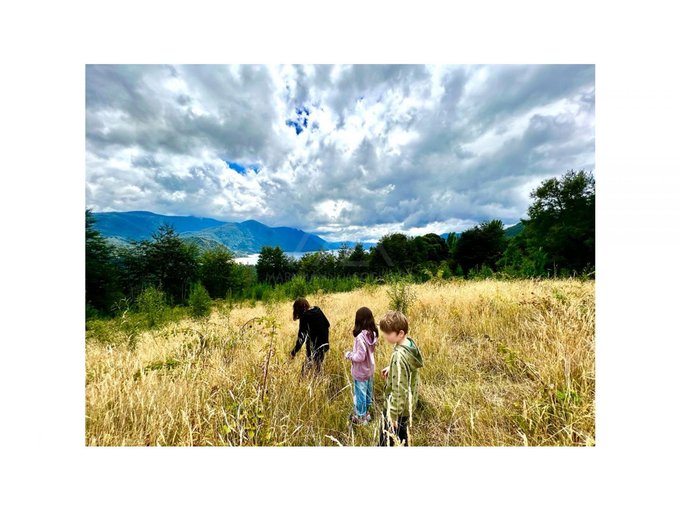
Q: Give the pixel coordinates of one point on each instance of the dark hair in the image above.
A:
(300, 306)
(364, 320)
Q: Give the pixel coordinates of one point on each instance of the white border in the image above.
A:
(45, 48)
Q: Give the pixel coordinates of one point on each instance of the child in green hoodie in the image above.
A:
(401, 392)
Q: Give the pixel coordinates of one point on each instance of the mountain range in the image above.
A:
(244, 238)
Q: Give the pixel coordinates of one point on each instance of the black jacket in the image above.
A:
(313, 331)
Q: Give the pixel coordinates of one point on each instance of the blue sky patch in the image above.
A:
(298, 127)
(242, 168)
(301, 120)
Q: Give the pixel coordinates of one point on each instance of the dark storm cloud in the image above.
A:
(157, 120)
(350, 151)
(510, 90)
(370, 82)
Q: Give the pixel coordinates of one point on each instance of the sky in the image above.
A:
(348, 152)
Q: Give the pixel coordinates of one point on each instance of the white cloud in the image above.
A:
(351, 151)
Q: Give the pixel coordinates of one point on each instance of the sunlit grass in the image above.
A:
(506, 363)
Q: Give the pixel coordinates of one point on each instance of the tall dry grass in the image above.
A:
(506, 363)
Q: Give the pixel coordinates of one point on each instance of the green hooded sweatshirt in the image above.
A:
(402, 381)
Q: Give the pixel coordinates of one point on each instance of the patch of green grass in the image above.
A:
(167, 364)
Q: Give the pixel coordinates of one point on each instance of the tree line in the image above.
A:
(557, 239)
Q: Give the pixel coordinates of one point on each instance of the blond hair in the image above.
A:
(393, 322)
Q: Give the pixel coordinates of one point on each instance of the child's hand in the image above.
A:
(348, 354)
(384, 372)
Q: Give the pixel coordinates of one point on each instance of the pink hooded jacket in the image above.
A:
(363, 355)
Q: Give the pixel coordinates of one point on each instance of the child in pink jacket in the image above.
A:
(363, 364)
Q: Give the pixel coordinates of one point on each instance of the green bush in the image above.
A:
(297, 287)
(486, 272)
(480, 273)
(444, 271)
(91, 312)
(98, 330)
(199, 301)
(152, 305)
(401, 295)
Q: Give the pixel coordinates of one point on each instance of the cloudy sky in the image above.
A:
(346, 152)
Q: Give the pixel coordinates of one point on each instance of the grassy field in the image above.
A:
(506, 363)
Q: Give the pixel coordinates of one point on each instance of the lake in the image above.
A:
(252, 258)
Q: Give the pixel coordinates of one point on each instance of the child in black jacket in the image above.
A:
(313, 332)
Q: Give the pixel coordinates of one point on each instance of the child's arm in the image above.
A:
(397, 401)
(302, 336)
(359, 354)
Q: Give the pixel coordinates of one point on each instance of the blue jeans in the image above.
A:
(363, 396)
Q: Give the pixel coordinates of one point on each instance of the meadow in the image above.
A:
(507, 362)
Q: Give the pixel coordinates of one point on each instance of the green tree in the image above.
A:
(242, 277)
(318, 263)
(452, 244)
(513, 257)
(172, 262)
(482, 245)
(216, 271)
(392, 254)
(132, 268)
(451, 241)
(430, 248)
(101, 283)
(342, 267)
(152, 304)
(561, 222)
(273, 266)
(358, 260)
(199, 301)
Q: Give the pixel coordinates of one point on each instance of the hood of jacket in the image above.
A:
(316, 318)
(370, 338)
(411, 354)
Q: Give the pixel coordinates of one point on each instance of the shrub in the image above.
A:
(99, 330)
(151, 303)
(486, 272)
(480, 273)
(401, 295)
(91, 312)
(199, 301)
(444, 271)
(297, 287)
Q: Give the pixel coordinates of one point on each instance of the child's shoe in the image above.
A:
(356, 420)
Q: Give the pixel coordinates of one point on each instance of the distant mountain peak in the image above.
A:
(246, 237)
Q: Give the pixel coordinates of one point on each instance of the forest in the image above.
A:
(557, 239)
